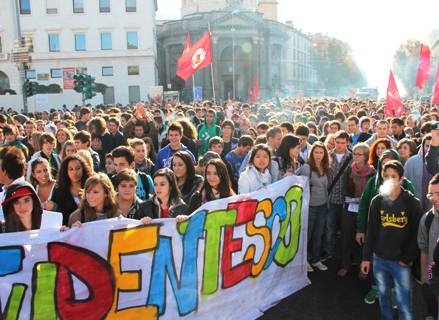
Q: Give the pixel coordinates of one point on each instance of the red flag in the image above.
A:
(394, 105)
(424, 67)
(186, 49)
(254, 91)
(435, 99)
(198, 57)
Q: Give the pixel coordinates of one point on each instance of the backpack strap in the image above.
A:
(340, 173)
(429, 221)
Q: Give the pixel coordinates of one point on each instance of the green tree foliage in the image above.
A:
(336, 69)
(405, 67)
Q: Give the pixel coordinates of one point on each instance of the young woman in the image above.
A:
(150, 150)
(72, 175)
(188, 182)
(98, 201)
(22, 208)
(62, 135)
(318, 172)
(406, 149)
(42, 180)
(257, 175)
(377, 149)
(216, 185)
(127, 201)
(143, 163)
(110, 170)
(35, 141)
(288, 155)
(166, 203)
(360, 172)
(48, 145)
(68, 149)
(330, 142)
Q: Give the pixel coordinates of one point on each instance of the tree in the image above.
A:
(405, 67)
(337, 71)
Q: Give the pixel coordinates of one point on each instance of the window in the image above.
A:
(24, 6)
(81, 70)
(134, 94)
(104, 5)
(31, 74)
(106, 41)
(107, 71)
(130, 5)
(133, 70)
(54, 42)
(132, 40)
(55, 73)
(52, 6)
(78, 6)
(80, 42)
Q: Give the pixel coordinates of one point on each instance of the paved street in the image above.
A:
(332, 298)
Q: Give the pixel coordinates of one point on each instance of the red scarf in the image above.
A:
(361, 175)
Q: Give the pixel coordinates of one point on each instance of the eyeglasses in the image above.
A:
(358, 154)
(431, 195)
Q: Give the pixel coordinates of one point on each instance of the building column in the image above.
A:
(167, 63)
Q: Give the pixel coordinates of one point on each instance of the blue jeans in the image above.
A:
(333, 215)
(384, 272)
(316, 225)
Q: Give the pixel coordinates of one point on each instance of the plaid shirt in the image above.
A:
(339, 190)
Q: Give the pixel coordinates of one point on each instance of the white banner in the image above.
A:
(232, 259)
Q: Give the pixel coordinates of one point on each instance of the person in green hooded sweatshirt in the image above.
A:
(370, 191)
(207, 130)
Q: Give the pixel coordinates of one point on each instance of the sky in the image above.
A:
(374, 29)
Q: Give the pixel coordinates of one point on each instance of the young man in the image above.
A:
(164, 156)
(432, 157)
(428, 232)
(84, 116)
(381, 131)
(230, 142)
(391, 241)
(117, 138)
(123, 158)
(143, 163)
(207, 130)
(82, 142)
(340, 168)
(11, 139)
(237, 155)
(302, 132)
(397, 127)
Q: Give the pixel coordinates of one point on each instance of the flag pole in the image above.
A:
(193, 88)
(211, 68)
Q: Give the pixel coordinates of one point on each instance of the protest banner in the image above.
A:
(232, 259)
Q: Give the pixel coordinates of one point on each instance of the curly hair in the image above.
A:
(373, 158)
(64, 182)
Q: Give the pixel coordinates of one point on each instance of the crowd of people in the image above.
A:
(374, 182)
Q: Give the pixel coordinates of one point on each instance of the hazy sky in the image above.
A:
(373, 28)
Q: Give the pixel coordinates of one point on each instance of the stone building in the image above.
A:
(247, 41)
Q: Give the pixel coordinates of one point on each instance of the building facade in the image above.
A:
(246, 43)
(114, 41)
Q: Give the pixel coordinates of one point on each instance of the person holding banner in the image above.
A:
(98, 201)
(257, 175)
(22, 208)
(217, 185)
(317, 169)
(42, 179)
(167, 202)
(128, 202)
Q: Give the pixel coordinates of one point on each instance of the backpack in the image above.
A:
(429, 221)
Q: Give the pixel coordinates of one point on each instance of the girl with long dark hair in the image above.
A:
(188, 182)
(216, 185)
(42, 179)
(257, 175)
(72, 175)
(288, 155)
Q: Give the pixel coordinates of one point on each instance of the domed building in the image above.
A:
(247, 42)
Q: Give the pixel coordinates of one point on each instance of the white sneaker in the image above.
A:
(320, 266)
(310, 269)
